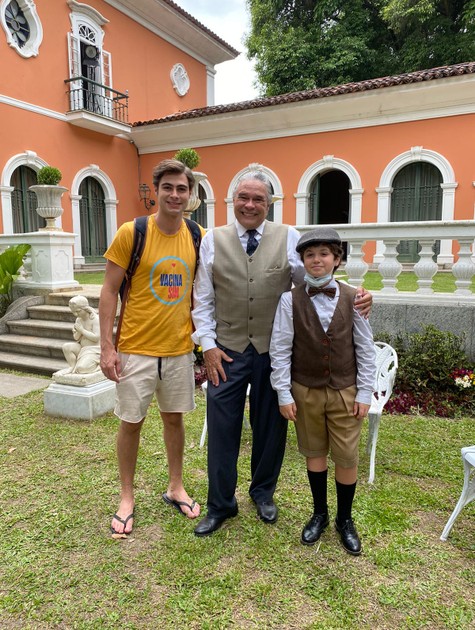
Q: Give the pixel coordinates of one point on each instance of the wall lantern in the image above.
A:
(144, 193)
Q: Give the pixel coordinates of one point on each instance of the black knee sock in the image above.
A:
(344, 498)
(318, 486)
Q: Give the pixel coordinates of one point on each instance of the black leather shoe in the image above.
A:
(267, 511)
(210, 524)
(314, 529)
(349, 536)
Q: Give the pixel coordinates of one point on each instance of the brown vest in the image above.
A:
(323, 359)
(248, 288)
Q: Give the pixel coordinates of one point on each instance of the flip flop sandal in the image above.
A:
(177, 504)
(124, 521)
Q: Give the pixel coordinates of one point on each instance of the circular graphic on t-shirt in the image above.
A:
(169, 280)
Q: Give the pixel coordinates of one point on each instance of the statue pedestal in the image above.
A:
(79, 401)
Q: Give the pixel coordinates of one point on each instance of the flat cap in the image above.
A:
(321, 234)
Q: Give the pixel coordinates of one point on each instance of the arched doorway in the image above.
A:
(329, 200)
(416, 196)
(92, 213)
(24, 201)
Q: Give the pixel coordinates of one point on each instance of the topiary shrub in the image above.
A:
(49, 176)
(189, 157)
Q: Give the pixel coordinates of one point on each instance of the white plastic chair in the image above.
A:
(204, 388)
(468, 490)
(386, 367)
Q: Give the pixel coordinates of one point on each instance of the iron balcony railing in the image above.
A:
(87, 95)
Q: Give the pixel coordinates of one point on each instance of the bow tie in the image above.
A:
(330, 291)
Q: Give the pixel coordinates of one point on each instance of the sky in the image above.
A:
(229, 20)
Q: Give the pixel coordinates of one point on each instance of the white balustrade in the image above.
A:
(464, 268)
(387, 236)
(426, 267)
(49, 263)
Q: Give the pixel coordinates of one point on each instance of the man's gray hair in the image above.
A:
(261, 177)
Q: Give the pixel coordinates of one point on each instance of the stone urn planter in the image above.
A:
(49, 203)
(49, 193)
(191, 158)
(195, 201)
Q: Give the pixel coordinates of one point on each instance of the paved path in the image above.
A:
(12, 385)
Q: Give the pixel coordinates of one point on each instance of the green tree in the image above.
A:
(302, 44)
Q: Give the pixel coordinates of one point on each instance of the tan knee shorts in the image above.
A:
(171, 379)
(325, 422)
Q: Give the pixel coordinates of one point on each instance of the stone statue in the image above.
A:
(83, 354)
(81, 390)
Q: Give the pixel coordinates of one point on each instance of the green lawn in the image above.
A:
(90, 278)
(59, 567)
(407, 281)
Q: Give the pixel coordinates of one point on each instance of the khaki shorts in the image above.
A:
(325, 422)
(171, 379)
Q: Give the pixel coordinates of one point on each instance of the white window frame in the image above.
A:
(32, 46)
(82, 15)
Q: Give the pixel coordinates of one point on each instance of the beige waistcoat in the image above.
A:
(248, 288)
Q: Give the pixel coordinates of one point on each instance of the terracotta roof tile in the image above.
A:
(317, 93)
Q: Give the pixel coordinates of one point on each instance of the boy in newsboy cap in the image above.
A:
(323, 363)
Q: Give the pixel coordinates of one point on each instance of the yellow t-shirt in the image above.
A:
(157, 320)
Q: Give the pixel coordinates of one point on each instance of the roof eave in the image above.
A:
(169, 21)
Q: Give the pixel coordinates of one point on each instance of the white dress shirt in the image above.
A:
(283, 336)
(203, 294)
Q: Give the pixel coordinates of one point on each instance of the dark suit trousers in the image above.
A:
(225, 409)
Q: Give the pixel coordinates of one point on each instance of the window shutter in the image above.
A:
(74, 56)
(107, 82)
(106, 69)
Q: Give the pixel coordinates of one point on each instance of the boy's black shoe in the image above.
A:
(314, 529)
(349, 536)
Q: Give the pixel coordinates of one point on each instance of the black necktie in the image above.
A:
(331, 292)
(252, 242)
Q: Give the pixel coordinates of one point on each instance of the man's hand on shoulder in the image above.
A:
(363, 302)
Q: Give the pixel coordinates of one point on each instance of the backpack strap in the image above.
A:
(140, 235)
(195, 232)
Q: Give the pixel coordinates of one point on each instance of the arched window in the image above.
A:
(416, 196)
(93, 219)
(24, 201)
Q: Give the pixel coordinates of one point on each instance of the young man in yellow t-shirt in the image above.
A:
(155, 352)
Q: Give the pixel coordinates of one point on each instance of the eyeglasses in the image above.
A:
(259, 201)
